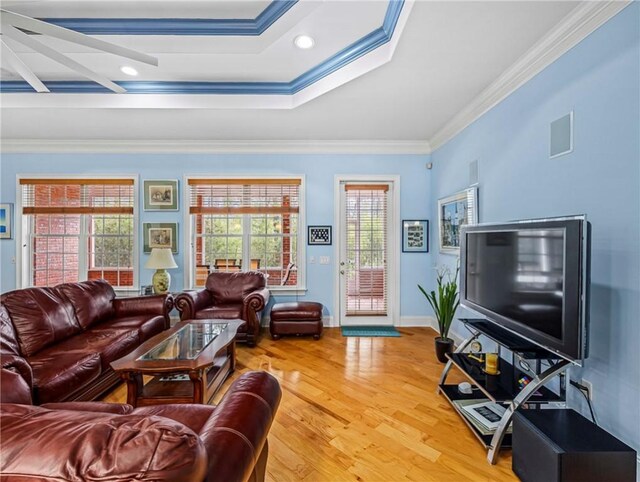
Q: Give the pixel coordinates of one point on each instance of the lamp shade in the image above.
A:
(161, 258)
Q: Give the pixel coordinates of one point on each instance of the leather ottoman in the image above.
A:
(296, 318)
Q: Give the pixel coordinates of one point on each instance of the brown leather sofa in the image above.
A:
(95, 441)
(63, 339)
(238, 295)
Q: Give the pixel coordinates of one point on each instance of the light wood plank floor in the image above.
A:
(363, 409)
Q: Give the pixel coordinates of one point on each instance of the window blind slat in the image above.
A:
(248, 196)
(93, 182)
(77, 210)
(244, 210)
(366, 187)
(77, 196)
(227, 182)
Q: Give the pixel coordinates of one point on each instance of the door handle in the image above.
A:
(341, 271)
(341, 263)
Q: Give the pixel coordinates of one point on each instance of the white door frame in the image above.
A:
(394, 248)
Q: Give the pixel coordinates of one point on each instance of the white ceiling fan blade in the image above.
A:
(20, 67)
(56, 56)
(44, 28)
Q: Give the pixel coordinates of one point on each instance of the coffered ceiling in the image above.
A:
(229, 71)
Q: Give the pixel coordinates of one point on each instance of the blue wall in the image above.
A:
(318, 169)
(599, 80)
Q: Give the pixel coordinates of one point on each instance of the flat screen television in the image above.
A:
(532, 278)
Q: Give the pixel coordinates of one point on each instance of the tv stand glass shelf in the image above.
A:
(526, 359)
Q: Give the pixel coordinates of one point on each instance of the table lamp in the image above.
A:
(161, 259)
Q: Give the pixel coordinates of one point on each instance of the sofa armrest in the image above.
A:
(14, 387)
(97, 446)
(158, 305)
(236, 434)
(98, 407)
(257, 300)
(189, 303)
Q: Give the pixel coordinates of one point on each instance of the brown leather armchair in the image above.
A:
(94, 441)
(238, 295)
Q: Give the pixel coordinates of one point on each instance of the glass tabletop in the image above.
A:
(186, 343)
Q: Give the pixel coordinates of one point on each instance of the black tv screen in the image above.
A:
(531, 278)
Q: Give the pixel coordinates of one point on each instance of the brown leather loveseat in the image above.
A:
(238, 295)
(95, 441)
(62, 339)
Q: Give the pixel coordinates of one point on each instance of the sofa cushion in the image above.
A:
(109, 342)
(41, 318)
(233, 287)
(147, 325)
(89, 446)
(55, 371)
(91, 300)
(231, 311)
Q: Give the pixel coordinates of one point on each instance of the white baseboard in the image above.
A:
(417, 321)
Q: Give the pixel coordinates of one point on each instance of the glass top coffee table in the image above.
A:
(188, 363)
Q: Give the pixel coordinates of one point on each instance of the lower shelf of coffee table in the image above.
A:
(157, 391)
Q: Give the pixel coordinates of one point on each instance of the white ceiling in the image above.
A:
(449, 52)
(137, 8)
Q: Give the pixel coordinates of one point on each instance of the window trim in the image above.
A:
(189, 274)
(22, 246)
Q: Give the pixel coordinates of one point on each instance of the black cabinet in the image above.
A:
(563, 446)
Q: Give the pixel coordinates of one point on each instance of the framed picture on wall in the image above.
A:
(160, 235)
(6, 221)
(319, 235)
(160, 194)
(415, 236)
(454, 212)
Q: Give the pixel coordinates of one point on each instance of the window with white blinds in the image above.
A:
(78, 229)
(366, 249)
(246, 224)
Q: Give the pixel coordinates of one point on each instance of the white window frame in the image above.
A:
(188, 239)
(23, 258)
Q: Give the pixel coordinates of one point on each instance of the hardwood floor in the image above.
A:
(363, 409)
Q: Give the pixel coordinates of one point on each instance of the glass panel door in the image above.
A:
(364, 273)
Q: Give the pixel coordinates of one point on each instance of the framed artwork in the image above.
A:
(415, 236)
(160, 195)
(160, 235)
(454, 212)
(6, 221)
(319, 235)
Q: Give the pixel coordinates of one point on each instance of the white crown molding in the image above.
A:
(575, 27)
(214, 147)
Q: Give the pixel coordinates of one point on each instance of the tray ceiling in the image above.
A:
(448, 53)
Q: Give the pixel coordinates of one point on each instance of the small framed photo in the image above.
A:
(160, 235)
(6, 221)
(160, 195)
(146, 290)
(415, 236)
(454, 212)
(319, 235)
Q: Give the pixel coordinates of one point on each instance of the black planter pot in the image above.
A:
(443, 346)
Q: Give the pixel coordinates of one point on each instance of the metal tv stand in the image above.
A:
(503, 388)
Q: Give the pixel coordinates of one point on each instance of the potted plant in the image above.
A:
(444, 303)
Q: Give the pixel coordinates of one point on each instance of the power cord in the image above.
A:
(585, 392)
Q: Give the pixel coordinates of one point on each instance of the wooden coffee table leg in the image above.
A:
(134, 386)
(231, 353)
(196, 377)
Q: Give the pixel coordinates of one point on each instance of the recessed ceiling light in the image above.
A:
(129, 70)
(304, 42)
